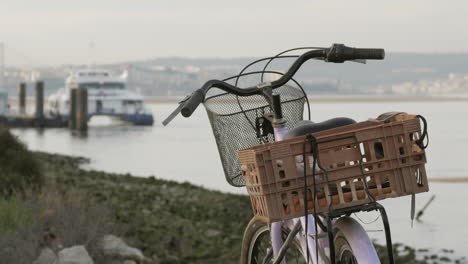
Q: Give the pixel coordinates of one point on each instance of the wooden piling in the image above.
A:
(22, 98)
(72, 110)
(39, 114)
(82, 109)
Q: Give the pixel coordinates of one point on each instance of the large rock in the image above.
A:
(74, 255)
(116, 247)
(47, 256)
(212, 233)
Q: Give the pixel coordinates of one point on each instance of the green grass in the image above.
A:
(19, 169)
(13, 214)
(50, 218)
(169, 221)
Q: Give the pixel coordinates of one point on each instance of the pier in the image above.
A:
(78, 119)
(87, 93)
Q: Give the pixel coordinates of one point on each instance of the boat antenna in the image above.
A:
(92, 61)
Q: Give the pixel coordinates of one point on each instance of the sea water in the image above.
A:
(186, 151)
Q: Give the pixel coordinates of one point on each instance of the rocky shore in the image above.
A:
(170, 222)
(179, 222)
(51, 210)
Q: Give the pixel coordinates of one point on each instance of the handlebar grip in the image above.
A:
(192, 103)
(339, 53)
(368, 54)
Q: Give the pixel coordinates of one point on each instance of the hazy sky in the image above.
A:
(50, 32)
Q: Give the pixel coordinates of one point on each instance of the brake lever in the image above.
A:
(176, 111)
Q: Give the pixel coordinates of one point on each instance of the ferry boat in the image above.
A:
(107, 95)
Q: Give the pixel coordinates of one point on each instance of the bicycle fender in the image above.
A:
(358, 239)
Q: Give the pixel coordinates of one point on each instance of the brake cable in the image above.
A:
(257, 72)
(420, 141)
(314, 150)
(284, 52)
(279, 56)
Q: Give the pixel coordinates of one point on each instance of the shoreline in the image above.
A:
(339, 99)
(312, 98)
(157, 208)
(450, 180)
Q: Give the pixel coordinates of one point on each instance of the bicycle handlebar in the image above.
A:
(198, 96)
(337, 53)
(192, 103)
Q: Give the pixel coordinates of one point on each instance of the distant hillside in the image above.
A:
(319, 77)
(397, 67)
(399, 73)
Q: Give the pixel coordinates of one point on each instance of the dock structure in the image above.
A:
(81, 114)
(22, 98)
(39, 95)
(38, 119)
(84, 96)
(72, 112)
(78, 119)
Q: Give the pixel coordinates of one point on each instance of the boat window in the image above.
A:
(89, 85)
(93, 74)
(106, 85)
(112, 85)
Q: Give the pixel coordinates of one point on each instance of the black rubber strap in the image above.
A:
(304, 158)
(314, 150)
(420, 141)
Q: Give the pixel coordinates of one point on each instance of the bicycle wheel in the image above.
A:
(257, 243)
(352, 243)
(343, 251)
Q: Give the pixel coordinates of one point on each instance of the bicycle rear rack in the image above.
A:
(373, 206)
(329, 216)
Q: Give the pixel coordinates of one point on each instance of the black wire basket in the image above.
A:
(233, 120)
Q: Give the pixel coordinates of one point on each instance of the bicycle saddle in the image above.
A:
(305, 127)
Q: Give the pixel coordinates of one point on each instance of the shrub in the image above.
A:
(13, 214)
(55, 220)
(18, 167)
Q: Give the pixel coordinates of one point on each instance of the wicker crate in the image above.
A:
(381, 155)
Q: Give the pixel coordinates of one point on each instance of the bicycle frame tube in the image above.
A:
(276, 227)
(354, 232)
(338, 53)
(280, 132)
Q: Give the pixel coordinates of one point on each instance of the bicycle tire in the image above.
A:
(257, 230)
(256, 234)
(343, 252)
(352, 243)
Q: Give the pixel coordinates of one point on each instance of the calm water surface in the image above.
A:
(186, 151)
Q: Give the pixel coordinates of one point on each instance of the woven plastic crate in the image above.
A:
(356, 164)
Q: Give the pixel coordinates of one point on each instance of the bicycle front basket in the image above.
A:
(233, 121)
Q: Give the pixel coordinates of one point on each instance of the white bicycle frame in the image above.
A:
(355, 234)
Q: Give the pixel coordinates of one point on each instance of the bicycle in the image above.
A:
(270, 110)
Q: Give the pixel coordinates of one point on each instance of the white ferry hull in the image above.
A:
(107, 95)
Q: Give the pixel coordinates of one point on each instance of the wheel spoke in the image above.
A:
(263, 243)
